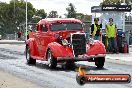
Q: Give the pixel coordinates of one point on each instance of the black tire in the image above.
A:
(99, 62)
(28, 57)
(80, 80)
(70, 65)
(52, 62)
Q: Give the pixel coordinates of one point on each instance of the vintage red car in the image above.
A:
(59, 40)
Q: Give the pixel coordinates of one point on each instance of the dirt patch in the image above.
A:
(117, 61)
(9, 81)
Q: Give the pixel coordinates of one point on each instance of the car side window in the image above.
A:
(44, 28)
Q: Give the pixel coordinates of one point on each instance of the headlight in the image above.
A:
(56, 35)
(65, 42)
(91, 41)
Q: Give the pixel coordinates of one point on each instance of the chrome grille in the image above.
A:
(78, 44)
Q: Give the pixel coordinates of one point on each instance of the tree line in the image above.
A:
(115, 2)
(12, 15)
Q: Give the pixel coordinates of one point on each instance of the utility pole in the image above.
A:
(26, 20)
(14, 17)
(124, 18)
(124, 1)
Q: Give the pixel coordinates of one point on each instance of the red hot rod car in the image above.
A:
(63, 40)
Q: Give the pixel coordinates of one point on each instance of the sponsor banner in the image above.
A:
(112, 78)
(125, 8)
(96, 9)
(118, 8)
(83, 78)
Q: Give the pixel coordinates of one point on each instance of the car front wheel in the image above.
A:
(52, 62)
(28, 57)
(99, 62)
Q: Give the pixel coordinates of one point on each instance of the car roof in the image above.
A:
(53, 20)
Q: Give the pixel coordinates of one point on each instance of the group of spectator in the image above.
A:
(110, 30)
(27, 34)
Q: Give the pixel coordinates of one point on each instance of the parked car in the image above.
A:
(59, 40)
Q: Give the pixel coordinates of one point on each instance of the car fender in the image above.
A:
(32, 45)
(59, 50)
(97, 48)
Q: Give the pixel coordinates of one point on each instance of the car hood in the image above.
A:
(67, 33)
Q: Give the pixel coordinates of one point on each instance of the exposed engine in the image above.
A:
(77, 41)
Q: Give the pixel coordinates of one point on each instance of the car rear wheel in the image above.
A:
(28, 57)
(52, 62)
(99, 62)
(70, 65)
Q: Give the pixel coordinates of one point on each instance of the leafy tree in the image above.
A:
(126, 1)
(53, 14)
(41, 13)
(13, 15)
(83, 17)
(71, 11)
(114, 2)
(80, 16)
(87, 18)
(60, 16)
(4, 10)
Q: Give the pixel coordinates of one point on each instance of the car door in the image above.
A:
(44, 39)
(37, 39)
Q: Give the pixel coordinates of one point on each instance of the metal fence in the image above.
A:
(13, 37)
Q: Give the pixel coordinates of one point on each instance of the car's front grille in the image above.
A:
(78, 44)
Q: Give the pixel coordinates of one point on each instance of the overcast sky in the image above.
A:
(82, 6)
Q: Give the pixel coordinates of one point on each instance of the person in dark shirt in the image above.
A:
(19, 35)
(95, 29)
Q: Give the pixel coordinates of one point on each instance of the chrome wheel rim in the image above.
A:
(49, 58)
(27, 55)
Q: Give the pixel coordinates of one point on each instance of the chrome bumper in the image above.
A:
(80, 57)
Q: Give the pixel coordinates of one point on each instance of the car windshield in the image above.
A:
(66, 26)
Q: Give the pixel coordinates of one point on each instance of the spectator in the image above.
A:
(95, 29)
(19, 35)
(111, 33)
(30, 33)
